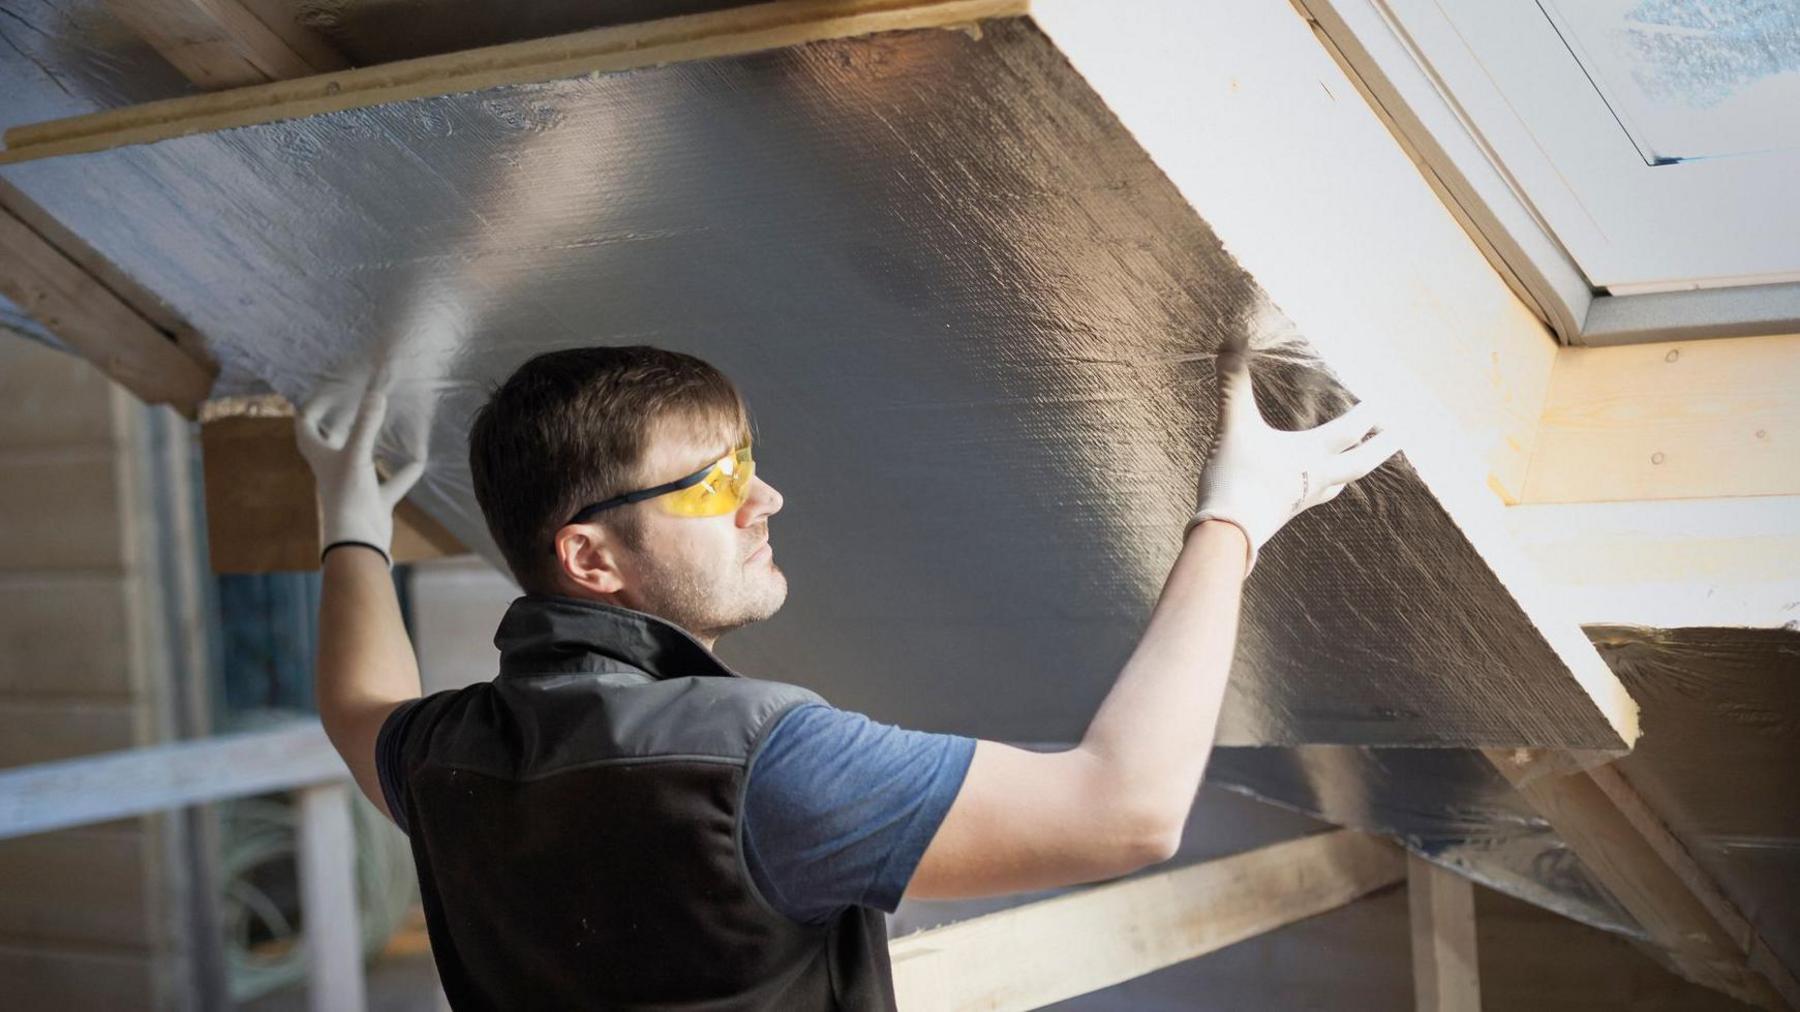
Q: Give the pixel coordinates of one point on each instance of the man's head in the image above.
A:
(574, 428)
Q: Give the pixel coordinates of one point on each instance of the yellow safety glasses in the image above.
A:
(714, 490)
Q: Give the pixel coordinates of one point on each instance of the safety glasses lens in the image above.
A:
(722, 491)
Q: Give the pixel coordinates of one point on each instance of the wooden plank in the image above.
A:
(261, 511)
(1669, 563)
(261, 504)
(219, 43)
(1446, 974)
(115, 980)
(52, 729)
(52, 398)
(96, 788)
(146, 305)
(1676, 420)
(63, 509)
(704, 36)
(1048, 951)
(67, 636)
(1632, 854)
(88, 317)
(78, 887)
(283, 17)
(327, 857)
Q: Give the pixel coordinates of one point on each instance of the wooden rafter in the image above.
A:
(1030, 956)
(729, 32)
(223, 44)
(1632, 853)
(88, 316)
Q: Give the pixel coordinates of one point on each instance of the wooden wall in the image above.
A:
(94, 917)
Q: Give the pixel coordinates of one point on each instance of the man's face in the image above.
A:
(709, 575)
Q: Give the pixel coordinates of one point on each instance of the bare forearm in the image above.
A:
(1155, 728)
(364, 654)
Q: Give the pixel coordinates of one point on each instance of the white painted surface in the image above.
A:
(1632, 219)
(327, 857)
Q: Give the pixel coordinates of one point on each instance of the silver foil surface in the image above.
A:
(1719, 762)
(975, 324)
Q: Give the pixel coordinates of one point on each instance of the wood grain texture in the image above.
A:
(220, 43)
(1629, 851)
(1693, 419)
(90, 788)
(1445, 963)
(88, 317)
(67, 635)
(78, 888)
(600, 50)
(262, 512)
(1044, 952)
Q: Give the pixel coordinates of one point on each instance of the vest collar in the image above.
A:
(560, 635)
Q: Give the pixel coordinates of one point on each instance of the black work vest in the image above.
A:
(577, 826)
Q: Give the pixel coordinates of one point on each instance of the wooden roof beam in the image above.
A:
(1044, 952)
(1635, 857)
(86, 314)
(224, 44)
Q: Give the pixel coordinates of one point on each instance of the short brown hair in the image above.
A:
(570, 428)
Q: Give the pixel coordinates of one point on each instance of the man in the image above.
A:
(620, 821)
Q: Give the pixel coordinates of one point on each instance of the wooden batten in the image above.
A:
(1446, 975)
(262, 511)
(1044, 952)
(1632, 853)
(223, 44)
(730, 32)
(1676, 420)
(90, 318)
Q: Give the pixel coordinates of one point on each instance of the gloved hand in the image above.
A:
(1259, 478)
(358, 505)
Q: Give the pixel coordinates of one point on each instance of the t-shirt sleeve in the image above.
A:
(839, 809)
(388, 742)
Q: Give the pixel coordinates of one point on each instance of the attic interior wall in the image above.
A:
(976, 326)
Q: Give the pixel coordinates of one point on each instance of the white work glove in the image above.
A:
(357, 505)
(1259, 478)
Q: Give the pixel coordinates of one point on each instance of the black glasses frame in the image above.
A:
(586, 513)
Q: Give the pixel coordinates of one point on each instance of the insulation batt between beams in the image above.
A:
(975, 324)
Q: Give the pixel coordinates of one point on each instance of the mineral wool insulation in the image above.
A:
(976, 327)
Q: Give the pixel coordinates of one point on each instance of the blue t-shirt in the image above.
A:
(837, 812)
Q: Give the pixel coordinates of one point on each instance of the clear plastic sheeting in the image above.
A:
(975, 324)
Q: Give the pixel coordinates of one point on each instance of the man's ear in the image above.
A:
(586, 554)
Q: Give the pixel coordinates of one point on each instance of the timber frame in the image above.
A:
(1006, 960)
(1387, 273)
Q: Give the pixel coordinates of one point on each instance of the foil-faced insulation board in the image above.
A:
(1719, 762)
(975, 324)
